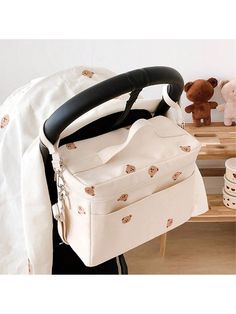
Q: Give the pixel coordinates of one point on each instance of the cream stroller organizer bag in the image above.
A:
(123, 188)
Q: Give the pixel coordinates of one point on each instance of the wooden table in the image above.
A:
(218, 143)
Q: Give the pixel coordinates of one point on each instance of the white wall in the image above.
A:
(23, 60)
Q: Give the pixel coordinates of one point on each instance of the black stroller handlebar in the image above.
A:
(109, 89)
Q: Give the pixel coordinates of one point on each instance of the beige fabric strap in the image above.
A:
(102, 156)
(53, 149)
(109, 152)
(173, 104)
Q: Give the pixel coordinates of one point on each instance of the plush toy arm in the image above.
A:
(221, 107)
(213, 104)
(189, 108)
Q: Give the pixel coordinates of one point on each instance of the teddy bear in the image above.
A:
(71, 146)
(81, 210)
(169, 222)
(185, 149)
(152, 171)
(228, 91)
(200, 92)
(4, 121)
(176, 175)
(130, 169)
(126, 219)
(88, 73)
(90, 190)
(123, 198)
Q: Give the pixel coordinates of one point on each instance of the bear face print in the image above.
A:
(123, 198)
(126, 219)
(71, 146)
(81, 211)
(130, 169)
(186, 149)
(169, 222)
(90, 190)
(152, 171)
(176, 175)
(4, 121)
(88, 73)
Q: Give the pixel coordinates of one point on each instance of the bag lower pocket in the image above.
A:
(118, 232)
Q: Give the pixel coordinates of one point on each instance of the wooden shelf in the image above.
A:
(217, 212)
(218, 141)
(212, 172)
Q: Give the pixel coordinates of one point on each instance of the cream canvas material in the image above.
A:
(25, 208)
(123, 188)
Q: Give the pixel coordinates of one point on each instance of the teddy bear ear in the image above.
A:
(213, 81)
(222, 83)
(187, 86)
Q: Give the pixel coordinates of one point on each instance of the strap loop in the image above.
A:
(175, 105)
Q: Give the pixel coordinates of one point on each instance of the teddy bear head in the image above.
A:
(4, 121)
(200, 90)
(90, 190)
(123, 198)
(71, 146)
(130, 169)
(152, 171)
(228, 90)
(88, 73)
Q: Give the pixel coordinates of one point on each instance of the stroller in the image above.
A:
(65, 260)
